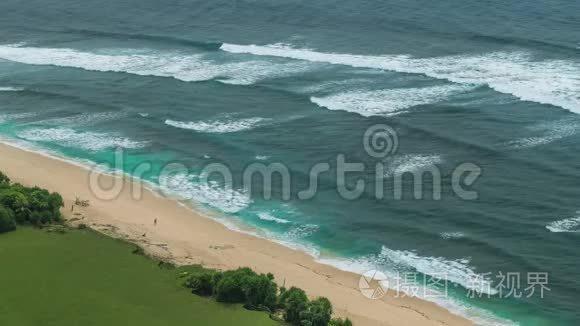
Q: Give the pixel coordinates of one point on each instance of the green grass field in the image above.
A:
(84, 278)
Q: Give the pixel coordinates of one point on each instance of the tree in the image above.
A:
(34, 205)
(294, 301)
(7, 221)
(260, 291)
(229, 290)
(317, 313)
(17, 202)
(4, 180)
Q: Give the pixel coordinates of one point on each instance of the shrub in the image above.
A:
(7, 221)
(294, 301)
(260, 292)
(317, 313)
(201, 284)
(229, 288)
(255, 291)
(17, 202)
(340, 322)
(4, 180)
(31, 205)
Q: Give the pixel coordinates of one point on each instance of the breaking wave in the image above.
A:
(553, 82)
(189, 187)
(412, 163)
(185, 67)
(566, 225)
(91, 141)
(265, 216)
(386, 102)
(217, 126)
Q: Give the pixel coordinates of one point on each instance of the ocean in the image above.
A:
(495, 84)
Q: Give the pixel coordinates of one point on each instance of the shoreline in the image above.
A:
(184, 235)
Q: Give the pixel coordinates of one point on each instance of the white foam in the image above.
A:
(566, 225)
(262, 157)
(395, 263)
(189, 187)
(217, 126)
(552, 82)
(333, 85)
(551, 132)
(92, 141)
(250, 72)
(452, 235)
(456, 271)
(265, 216)
(412, 163)
(388, 101)
(85, 118)
(185, 67)
(11, 89)
(301, 231)
(15, 116)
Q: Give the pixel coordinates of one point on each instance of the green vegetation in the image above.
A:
(259, 292)
(83, 278)
(7, 221)
(78, 277)
(24, 205)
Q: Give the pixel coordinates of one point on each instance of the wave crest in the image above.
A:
(412, 163)
(217, 126)
(11, 89)
(387, 102)
(184, 67)
(92, 141)
(189, 187)
(566, 225)
(265, 216)
(553, 82)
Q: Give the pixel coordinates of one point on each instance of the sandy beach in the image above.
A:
(183, 236)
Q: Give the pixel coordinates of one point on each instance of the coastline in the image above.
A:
(185, 236)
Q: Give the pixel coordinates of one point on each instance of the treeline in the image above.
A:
(260, 292)
(26, 205)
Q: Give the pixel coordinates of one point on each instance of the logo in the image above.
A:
(373, 284)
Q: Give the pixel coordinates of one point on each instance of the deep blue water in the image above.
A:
(493, 83)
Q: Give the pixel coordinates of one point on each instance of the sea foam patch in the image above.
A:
(266, 216)
(387, 102)
(11, 89)
(395, 263)
(190, 187)
(452, 235)
(5, 117)
(553, 82)
(414, 163)
(92, 141)
(571, 224)
(456, 271)
(548, 133)
(185, 67)
(217, 126)
(85, 118)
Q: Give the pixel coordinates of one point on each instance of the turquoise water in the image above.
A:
(491, 83)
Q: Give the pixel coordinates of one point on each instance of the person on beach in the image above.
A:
(155, 222)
